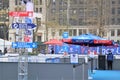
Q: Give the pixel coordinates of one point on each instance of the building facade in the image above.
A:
(100, 17)
(4, 7)
(53, 17)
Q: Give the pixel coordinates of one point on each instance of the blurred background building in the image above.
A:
(4, 21)
(53, 17)
(100, 17)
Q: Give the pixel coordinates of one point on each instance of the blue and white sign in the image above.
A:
(65, 35)
(28, 32)
(28, 20)
(74, 58)
(24, 45)
(23, 25)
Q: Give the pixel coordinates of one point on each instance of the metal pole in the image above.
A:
(74, 66)
(83, 72)
(4, 44)
(73, 72)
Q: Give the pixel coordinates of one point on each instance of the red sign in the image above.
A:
(26, 38)
(21, 14)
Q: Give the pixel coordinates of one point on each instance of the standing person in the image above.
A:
(5, 50)
(0, 52)
(52, 51)
(109, 60)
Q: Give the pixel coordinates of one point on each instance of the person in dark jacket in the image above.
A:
(5, 50)
(109, 60)
(52, 51)
(0, 52)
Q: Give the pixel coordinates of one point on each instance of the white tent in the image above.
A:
(5, 44)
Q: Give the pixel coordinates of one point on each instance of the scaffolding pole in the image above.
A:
(23, 54)
(23, 65)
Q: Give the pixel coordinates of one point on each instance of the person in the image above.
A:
(0, 52)
(109, 60)
(52, 51)
(5, 50)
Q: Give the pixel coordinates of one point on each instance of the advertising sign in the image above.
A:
(24, 45)
(26, 38)
(74, 58)
(23, 25)
(21, 14)
(65, 35)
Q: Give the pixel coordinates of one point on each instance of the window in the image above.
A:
(113, 2)
(39, 21)
(81, 21)
(16, 2)
(60, 32)
(113, 10)
(84, 31)
(112, 32)
(36, 10)
(81, 12)
(40, 2)
(39, 38)
(35, 2)
(80, 31)
(95, 12)
(15, 9)
(73, 21)
(118, 20)
(74, 32)
(118, 10)
(40, 10)
(61, 2)
(118, 32)
(113, 20)
(81, 2)
(70, 32)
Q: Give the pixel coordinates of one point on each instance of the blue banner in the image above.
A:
(84, 49)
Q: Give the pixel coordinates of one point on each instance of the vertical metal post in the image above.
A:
(23, 55)
(73, 72)
(23, 65)
(23, 61)
(83, 71)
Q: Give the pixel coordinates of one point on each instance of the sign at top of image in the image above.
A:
(21, 14)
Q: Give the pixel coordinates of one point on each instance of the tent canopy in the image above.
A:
(88, 39)
(54, 42)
